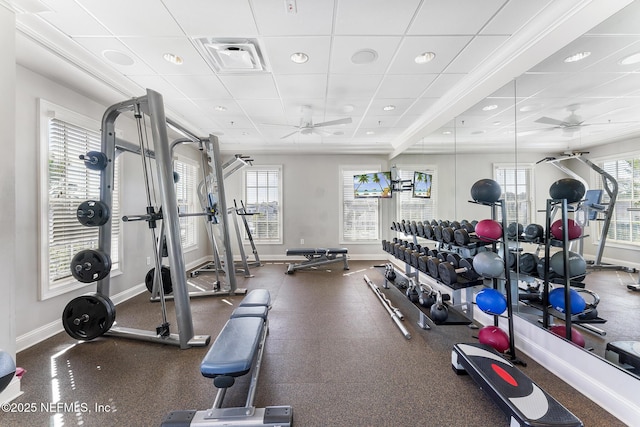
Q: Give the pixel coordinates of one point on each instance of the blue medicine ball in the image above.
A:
(556, 299)
(491, 301)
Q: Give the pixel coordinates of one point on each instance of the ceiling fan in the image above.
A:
(307, 127)
(570, 124)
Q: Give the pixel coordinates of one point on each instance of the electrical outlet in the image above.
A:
(302, 241)
(148, 260)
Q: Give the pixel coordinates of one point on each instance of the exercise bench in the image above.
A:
(317, 257)
(237, 351)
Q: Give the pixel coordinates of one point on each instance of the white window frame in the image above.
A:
(595, 182)
(48, 288)
(190, 223)
(353, 170)
(407, 195)
(530, 189)
(256, 238)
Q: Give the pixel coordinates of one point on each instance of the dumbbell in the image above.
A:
(437, 233)
(448, 234)
(414, 228)
(534, 233)
(449, 274)
(444, 223)
(420, 229)
(428, 232)
(455, 225)
(528, 263)
(434, 222)
(442, 258)
(514, 230)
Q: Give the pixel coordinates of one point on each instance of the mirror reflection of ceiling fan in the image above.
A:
(307, 127)
(570, 124)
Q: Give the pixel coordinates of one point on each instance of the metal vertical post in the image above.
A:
(170, 216)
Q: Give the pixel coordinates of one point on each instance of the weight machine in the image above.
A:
(591, 207)
(93, 315)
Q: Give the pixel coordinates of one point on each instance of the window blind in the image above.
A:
(360, 217)
(625, 225)
(516, 191)
(186, 196)
(262, 196)
(416, 209)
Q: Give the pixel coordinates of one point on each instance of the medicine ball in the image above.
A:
(495, 337)
(574, 231)
(488, 264)
(486, 190)
(7, 369)
(556, 299)
(488, 230)
(491, 301)
(576, 337)
(577, 264)
(567, 188)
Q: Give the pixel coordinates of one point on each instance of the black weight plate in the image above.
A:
(422, 264)
(434, 223)
(466, 263)
(414, 228)
(455, 225)
(533, 232)
(514, 230)
(432, 267)
(528, 263)
(437, 233)
(420, 229)
(92, 213)
(447, 273)
(453, 259)
(432, 253)
(461, 236)
(165, 275)
(88, 316)
(444, 223)
(428, 232)
(95, 160)
(447, 234)
(511, 260)
(90, 265)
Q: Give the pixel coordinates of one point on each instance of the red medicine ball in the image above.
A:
(495, 337)
(488, 230)
(574, 231)
(576, 337)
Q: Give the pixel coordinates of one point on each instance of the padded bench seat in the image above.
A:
(256, 298)
(251, 311)
(317, 257)
(234, 349)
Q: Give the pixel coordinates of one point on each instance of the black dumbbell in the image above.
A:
(449, 274)
(514, 230)
(420, 229)
(448, 234)
(528, 263)
(534, 233)
(428, 232)
(437, 233)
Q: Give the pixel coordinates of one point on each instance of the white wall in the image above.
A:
(8, 213)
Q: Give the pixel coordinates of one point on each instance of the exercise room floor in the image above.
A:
(332, 353)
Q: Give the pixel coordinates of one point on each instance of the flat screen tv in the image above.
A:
(372, 185)
(422, 185)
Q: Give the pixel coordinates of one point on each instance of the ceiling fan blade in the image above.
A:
(289, 134)
(322, 132)
(344, 121)
(550, 121)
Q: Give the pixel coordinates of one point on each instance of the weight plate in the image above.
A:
(92, 213)
(461, 236)
(453, 259)
(90, 265)
(432, 266)
(95, 160)
(428, 232)
(447, 273)
(447, 234)
(437, 233)
(88, 316)
(165, 275)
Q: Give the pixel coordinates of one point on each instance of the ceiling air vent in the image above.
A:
(232, 55)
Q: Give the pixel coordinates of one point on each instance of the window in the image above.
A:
(360, 221)
(412, 208)
(517, 190)
(187, 171)
(263, 196)
(625, 224)
(65, 182)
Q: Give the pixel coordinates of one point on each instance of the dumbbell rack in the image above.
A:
(463, 314)
(511, 352)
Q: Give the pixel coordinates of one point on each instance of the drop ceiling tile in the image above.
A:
(404, 86)
(278, 51)
(261, 106)
(99, 45)
(200, 86)
(442, 85)
(214, 18)
(312, 18)
(304, 86)
(255, 86)
(437, 17)
(378, 105)
(344, 47)
(147, 18)
(345, 106)
(374, 18)
(623, 22)
(294, 109)
(344, 86)
(152, 49)
(70, 18)
(445, 47)
(158, 84)
(230, 107)
(513, 16)
(478, 50)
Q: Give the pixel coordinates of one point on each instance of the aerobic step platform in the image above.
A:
(524, 402)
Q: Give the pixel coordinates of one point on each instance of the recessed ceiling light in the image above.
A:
(489, 107)
(220, 108)
(370, 132)
(118, 57)
(338, 133)
(299, 57)
(496, 123)
(364, 56)
(425, 57)
(577, 57)
(478, 132)
(631, 59)
(446, 132)
(348, 108)
(530, 107)
(389, 107)
(173, 58)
